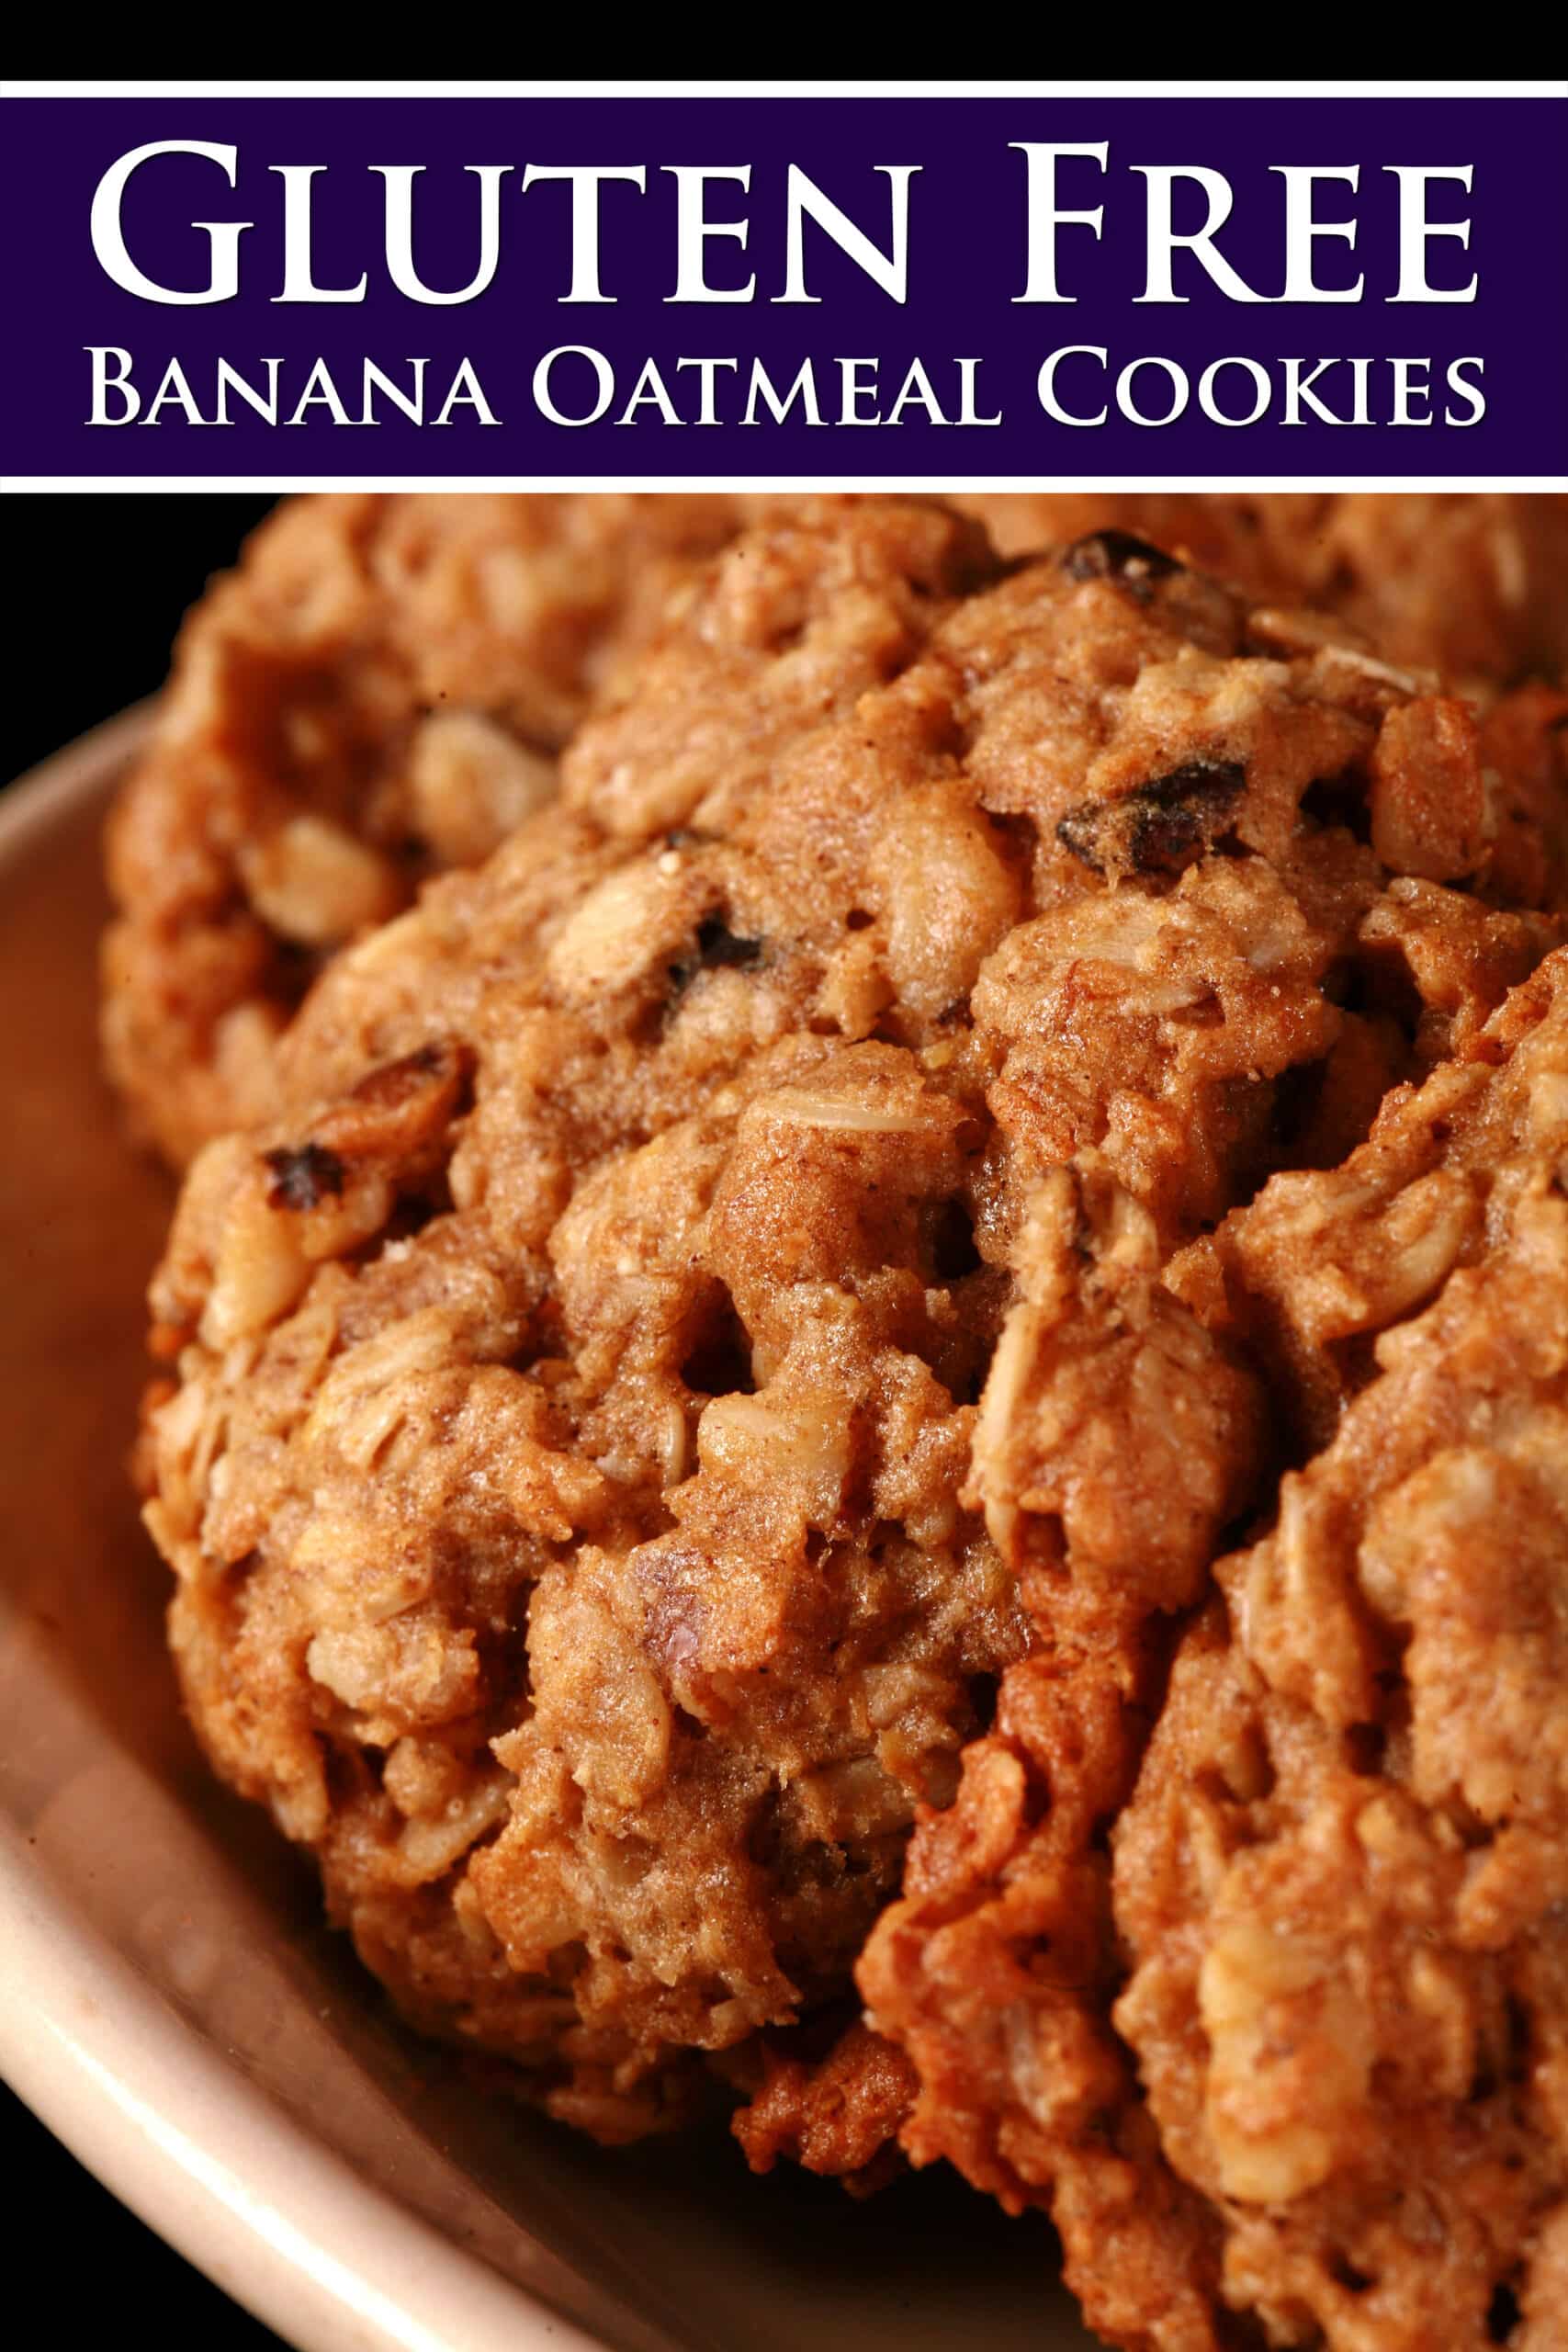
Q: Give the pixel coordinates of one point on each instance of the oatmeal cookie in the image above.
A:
(1342, 1884)
(1338, 1878)
(676, 1347)
(1471, 583)
(378, 692)
(1312, 1270)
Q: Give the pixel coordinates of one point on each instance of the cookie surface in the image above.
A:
(1287, 2044)
(1473, 584)
(377, 693)
(381, 690)
(696, 1326)
(1340, 1882)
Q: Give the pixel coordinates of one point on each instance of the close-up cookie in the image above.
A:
(1472, 583)
(381, 689)
(755, 1311)
(1287, 2046)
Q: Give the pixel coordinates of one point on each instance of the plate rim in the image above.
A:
(160, 2115)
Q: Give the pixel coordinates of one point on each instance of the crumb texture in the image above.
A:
(879, 1425)
(381, 690)
(378, 692)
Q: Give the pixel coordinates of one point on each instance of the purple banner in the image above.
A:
(686, 286)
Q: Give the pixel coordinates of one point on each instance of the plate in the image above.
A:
(171, 2003)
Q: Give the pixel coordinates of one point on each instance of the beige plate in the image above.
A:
(168, 2001)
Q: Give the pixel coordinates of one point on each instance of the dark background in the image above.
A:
(114, 2278)
(98, 582)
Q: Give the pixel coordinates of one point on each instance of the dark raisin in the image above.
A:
(1131, 562)
(717, 945)
(302, 1175)
(1084, 831)
(1159, 828)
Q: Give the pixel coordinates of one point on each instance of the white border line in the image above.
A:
(799, 485)
(679, 87)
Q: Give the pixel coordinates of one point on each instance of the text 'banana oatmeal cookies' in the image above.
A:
(382, 688)
(757, 1313)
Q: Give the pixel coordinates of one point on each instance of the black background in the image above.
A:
(98, 584)
(107, 2277)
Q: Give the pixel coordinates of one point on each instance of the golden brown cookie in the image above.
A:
(695, 1319)
(1473, 584)
(1342, 1884)
(380, 692)
(1327, 2099)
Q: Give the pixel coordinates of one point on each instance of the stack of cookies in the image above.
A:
(864, 1396)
